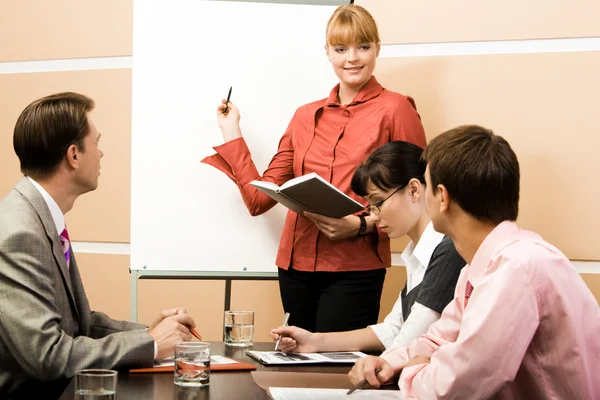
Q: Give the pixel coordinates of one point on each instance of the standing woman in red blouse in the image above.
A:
(331, 271)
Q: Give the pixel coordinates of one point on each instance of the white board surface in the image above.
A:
(188, 216)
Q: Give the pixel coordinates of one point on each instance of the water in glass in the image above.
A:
(239, 335)
(192, 372)
(95, 394)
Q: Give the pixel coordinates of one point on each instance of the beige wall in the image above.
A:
(403, 21)
(103, 215)
(593, 282)
(543, 103)
(545, 106)
(57, 29)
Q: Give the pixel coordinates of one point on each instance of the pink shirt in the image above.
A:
(529, 330)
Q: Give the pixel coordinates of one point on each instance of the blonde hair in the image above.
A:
(351, 24)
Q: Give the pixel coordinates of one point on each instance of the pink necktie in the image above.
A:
(64, 241)
(468, 292)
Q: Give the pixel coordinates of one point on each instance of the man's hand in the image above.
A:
(170, 331)
(365, 369)
(166, 313)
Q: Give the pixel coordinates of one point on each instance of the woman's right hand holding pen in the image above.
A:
(295, 339)
(228, 119)
(364, 369)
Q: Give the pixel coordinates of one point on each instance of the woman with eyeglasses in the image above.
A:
(392, 181)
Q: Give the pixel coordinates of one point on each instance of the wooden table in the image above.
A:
(223, 385)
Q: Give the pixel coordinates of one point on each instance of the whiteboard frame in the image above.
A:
(202, 275)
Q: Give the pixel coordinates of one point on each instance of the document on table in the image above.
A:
(279, 358)
(214, 360)
(279, 393)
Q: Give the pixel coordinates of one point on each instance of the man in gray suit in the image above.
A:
(47, 330)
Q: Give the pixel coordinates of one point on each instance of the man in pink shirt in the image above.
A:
(523, 324)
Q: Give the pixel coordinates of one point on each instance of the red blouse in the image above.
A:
(331, 140)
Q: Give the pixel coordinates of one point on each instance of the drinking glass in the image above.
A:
(192, 364)
(238, 328)
(96, 384)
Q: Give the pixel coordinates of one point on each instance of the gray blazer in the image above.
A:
(47, 330)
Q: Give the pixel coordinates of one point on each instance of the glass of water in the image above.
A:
(238, 328)
(192, 364)
(97, 384)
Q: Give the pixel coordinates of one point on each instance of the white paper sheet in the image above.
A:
(331, 394)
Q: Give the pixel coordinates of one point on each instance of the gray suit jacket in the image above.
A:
(47, 330)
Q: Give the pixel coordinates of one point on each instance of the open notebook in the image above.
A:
(280, 358)
(311, 193)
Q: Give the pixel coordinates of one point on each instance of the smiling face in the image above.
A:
(400, 211)
(352, 45)
(353, 63)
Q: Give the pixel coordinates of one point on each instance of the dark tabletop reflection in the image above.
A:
(229, 385)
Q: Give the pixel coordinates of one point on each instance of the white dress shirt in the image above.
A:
(57, 215)
(394, 330)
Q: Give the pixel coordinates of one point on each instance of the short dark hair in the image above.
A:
(390, 166)
(45, 130)
(479, 170)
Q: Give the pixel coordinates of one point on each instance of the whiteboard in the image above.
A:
(188, 216)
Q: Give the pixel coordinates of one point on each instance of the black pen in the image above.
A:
(227, 102)
(359, 384)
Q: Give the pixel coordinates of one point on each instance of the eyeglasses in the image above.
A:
(376, 208)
